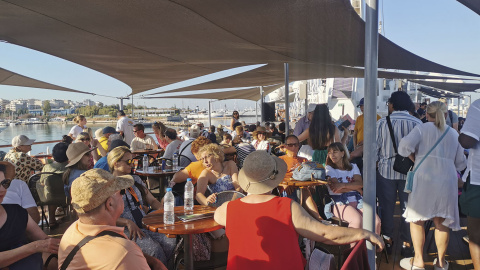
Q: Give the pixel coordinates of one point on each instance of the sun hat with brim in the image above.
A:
(76, 151)
(94, 187)
(20, 140)
(8, 169)
(99, 133)
(261, 172)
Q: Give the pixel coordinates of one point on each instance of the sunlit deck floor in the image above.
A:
(458, 254)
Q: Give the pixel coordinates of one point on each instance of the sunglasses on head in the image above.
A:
(5, 183)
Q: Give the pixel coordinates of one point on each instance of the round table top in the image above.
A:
(296, 183)
(150, 172)
(154, 222)
(148, 152)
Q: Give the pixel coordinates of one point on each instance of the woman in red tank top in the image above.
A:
(263, 229)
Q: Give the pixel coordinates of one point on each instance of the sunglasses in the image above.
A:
(292, 144)
(261, 133)
(135, 131)
(6, 183)
(128, 161)
(85, 140)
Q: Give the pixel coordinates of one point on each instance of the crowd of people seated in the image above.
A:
(109, 199)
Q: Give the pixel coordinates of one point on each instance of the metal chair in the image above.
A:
(226, 196)
(47, 190)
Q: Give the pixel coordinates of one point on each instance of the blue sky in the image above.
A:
(443, 31)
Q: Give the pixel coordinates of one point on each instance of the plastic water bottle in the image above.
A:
(188, 195)
(168, 205)
(145, 163)
(175, 161)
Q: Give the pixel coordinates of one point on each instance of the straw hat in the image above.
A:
(76, 151)
(20, 140)
(99, 133)
(260, 129)
(93, 187)
(9, 169)
(261, 172)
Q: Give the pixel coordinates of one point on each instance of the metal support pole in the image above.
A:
(121, 103)
(262, 116)
(458, 106)
(209, 113)
(256, 111)
(306, 99)
(370, 111)
(133, 116)
(287, 103)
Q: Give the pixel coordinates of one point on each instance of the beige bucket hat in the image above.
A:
(93, 187)
(76, 151)
(261, 172)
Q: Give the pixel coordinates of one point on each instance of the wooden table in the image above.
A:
(148, 152)
(154, 223)
(161, 176)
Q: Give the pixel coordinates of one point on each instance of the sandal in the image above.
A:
(435, 267)
(407, 263)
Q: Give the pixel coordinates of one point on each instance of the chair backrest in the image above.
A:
(226, 196)
(32, 185)
(49, 188)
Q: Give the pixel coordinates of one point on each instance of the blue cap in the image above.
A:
(169, 189)
(109, 130)
(189, 179)
(359, 104)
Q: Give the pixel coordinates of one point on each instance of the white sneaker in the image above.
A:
(435, 267)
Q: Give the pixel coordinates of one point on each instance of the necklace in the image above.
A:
(215, 173)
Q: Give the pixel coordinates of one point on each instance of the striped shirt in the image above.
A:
(402, 124)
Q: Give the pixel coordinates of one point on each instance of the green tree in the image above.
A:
(46, 107)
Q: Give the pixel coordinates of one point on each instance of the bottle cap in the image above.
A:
(169, 189)
(189, 179)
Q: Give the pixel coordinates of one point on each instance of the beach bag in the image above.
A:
(401, 164)
(411, 174)
(306, 170)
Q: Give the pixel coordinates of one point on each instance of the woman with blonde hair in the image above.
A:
(218, 175)
(80, 121)
(137, 199)
(159, 130)
(260, 141)
(434, 196)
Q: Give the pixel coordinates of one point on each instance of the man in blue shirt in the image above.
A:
(304, 122)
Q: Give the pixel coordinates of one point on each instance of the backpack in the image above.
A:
(305, 170)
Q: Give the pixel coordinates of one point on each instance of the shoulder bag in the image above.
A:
(401, 164)
(411, 174)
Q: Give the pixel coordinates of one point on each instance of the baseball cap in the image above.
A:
(21, 140)
(361, 102)
(311, 107)
(94, 187)
(109, 130)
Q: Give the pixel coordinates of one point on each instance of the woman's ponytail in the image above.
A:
(437, 110)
